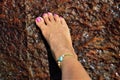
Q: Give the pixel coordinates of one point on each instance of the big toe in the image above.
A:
(40, 23)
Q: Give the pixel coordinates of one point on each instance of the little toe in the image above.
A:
(62, 20)
(40, 23)
(57, 18)
(46, 18)
(50, 15)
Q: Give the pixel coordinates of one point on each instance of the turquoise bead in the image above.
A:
(60, 59)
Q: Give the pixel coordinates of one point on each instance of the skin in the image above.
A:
(57, 34)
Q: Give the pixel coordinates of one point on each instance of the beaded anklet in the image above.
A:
(60, 59)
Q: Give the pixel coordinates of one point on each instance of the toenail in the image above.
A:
(61, 17)
(49, 13)
(55, 15)
(44, 14)
(38, 19)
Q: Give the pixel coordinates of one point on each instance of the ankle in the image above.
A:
(60, 52)
(68, 61)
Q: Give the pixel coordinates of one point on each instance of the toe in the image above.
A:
(46, 18)
(62, 20)
(40, 23)
(57, 18)
(50, 15)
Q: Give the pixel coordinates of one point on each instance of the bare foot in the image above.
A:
(57, 34)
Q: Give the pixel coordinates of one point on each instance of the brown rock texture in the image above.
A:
(95, 31)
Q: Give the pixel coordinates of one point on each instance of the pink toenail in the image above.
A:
(55, 15)
(38, 19)
(49, 13)
(60, 17)
(44, 14)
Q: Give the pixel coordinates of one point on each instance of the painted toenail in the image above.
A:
(49, 13)
(61, 17)
(44, 14)
(55, 15)
(38, 19)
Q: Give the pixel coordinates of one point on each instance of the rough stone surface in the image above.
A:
(95, 30)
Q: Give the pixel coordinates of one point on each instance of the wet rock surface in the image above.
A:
(95, 30)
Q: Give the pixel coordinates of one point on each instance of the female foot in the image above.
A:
(57, 34)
